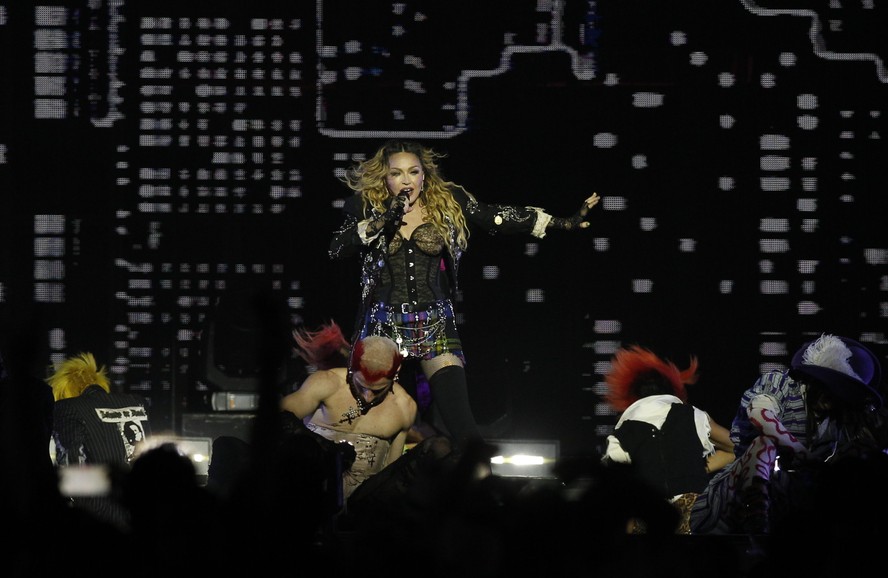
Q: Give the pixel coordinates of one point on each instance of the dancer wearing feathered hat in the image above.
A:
(670, 444)
(803, 417)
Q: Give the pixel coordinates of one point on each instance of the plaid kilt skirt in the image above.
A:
(421, 331)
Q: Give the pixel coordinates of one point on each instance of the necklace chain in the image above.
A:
(350, 415)
(353, 413)
(422, 334)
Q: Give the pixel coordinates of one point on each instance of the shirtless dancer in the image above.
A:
(365, 407)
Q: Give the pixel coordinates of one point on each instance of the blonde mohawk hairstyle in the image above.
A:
(75, 374)
(376, 357)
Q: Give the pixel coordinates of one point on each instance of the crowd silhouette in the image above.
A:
(267, 507)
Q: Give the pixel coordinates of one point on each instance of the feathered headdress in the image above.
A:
(323, 348)
(847, 368)
(634, 369)
(75, 374)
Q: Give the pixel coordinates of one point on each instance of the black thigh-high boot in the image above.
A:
(450, 401)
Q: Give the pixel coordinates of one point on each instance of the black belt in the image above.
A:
(406, 308)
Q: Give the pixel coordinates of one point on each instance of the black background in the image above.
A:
(532, 135)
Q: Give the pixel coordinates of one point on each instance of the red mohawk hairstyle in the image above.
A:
(323, 348)
(637, 372)
(376, 357)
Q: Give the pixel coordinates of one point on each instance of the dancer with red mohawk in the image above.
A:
(353, 396)
(672, 445)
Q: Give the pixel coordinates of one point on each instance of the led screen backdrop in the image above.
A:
(162, 162)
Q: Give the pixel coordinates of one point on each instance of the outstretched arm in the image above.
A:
(578, 219)
(509, 219)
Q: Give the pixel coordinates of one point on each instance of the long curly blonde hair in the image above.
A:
(368, 179)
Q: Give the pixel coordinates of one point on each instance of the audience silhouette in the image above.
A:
(175, 523)
(268, 506)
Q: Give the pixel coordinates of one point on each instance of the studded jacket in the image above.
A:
(492, 218)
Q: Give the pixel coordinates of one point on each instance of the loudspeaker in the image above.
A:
(246, 340)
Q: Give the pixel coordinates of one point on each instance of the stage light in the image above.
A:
(524, 458)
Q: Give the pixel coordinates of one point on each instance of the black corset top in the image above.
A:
(425, 237)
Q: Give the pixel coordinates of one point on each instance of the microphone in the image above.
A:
(403, 198)
(395, 211)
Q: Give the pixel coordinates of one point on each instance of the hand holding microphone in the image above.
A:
(398, 205)
(404, 199)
